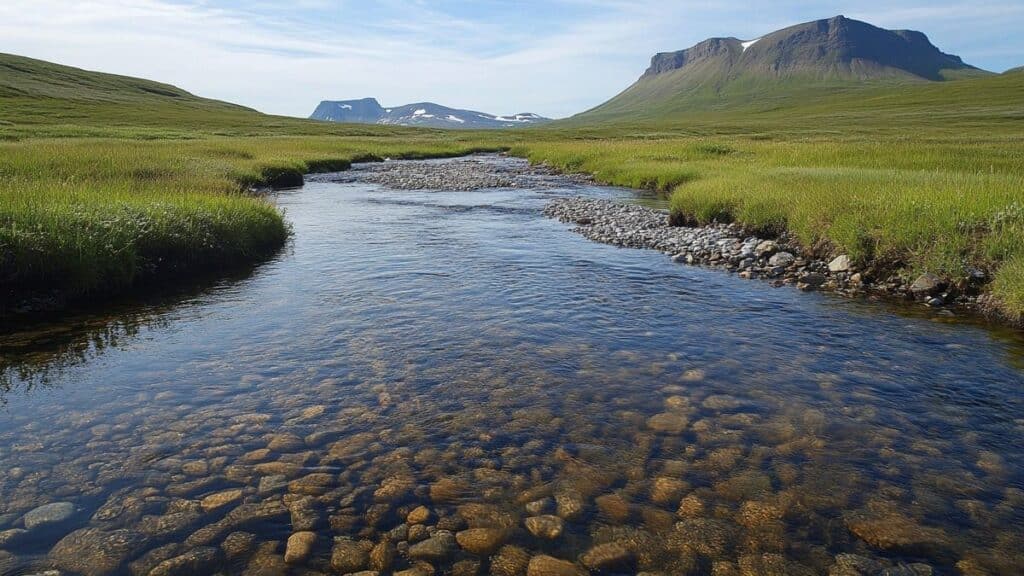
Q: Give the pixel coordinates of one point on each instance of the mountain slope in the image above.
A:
(22, 77)
(369, 111)
(824, 54)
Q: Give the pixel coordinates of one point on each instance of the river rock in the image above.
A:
(544, 565)
(96, 552)
(480, 541)
(285, 443)
(349, 555)
(48, 515)
(11, 538)
(220, 499)
(299, 547)
(615, 507)
(382, 556)
(927, 284)
(438, 547)
(205, 560)
(897, 532)
(668, 423)
(510, 561)
(569, 504)
(419, 515)
(607, 556)
(782, 259)
(238, 544)
(766, 248)
(548, 527)
(840, 263)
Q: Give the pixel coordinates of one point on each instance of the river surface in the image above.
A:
(460, 352)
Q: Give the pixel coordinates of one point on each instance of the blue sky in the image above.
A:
(553, 57)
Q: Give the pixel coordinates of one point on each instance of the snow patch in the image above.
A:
(419, 112)
(388, 110)
(346, 107)
(749, 43)
(456, 119)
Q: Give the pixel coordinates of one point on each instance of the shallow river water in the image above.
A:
(457, 351)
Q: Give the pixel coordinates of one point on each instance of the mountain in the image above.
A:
(1016, 70)
(837, 52)
(369, 111)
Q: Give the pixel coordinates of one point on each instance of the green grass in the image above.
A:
(97, 192)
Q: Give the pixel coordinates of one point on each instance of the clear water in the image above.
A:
(454, 348)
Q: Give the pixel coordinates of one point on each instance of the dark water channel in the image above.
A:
(459, 352)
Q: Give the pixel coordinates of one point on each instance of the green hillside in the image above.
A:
(809, 63)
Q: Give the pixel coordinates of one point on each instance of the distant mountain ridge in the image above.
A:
(427, 114)
(833, 52)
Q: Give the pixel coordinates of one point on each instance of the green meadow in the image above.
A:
(105, 187)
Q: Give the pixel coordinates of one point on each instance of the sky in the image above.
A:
(551, 57)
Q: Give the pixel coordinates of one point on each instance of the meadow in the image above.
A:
(102, 191)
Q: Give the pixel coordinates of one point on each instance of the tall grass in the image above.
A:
(943, 207)
(78, 216)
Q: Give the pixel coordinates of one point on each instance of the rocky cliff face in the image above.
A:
(837, 46)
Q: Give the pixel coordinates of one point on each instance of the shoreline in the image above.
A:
(780, 261)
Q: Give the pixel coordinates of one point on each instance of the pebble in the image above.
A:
(548, 527)
(438, 547)
(544, 565)
(481, 541)
(48, 515)
(96, 552)
(299, 547)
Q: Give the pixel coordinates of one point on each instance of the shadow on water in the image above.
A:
(36, 349)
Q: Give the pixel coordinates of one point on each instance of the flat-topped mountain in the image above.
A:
(369, 111)
(833, 52)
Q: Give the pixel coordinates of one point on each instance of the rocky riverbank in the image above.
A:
(477, 172)
(729, 247)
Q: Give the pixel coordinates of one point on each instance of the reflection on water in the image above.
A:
(450, 380)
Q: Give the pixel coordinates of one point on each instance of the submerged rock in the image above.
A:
(49, 514)
(547, 527)
(96, 552)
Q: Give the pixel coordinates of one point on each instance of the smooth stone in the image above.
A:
(668, 422)
(927, 283)
(419, 515)
(382, 556)
(544, 565)
(299, 547)
(840, 263)
(205, 560)
(96, 552)
(349, 555)
(11, 538)
(547, 526)
(481, 541)
(48, 514)
(510, 561)
(783, 259)
(606, 556)
(438, 547)
(220, 499)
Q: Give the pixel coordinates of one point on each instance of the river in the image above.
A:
(420, 372)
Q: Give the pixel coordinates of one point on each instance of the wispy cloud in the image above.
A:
(502, 56)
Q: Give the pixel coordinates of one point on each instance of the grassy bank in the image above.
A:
(84, 215)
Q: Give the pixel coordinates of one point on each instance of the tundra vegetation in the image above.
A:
(107, 180)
